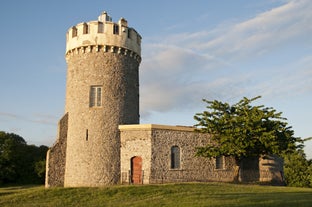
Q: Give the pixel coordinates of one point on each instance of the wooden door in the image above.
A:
(136, 170)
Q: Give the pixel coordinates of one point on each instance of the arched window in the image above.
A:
(175, 157)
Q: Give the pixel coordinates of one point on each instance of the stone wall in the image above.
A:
(135, 142)
(56, 156)
(103, 61)
(267, 169)
(93, 147)
(192, 168)
(153, 143)
(271, 168)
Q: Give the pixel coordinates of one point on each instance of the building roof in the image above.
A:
(154, 126)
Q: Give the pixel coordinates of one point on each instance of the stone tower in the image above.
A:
(102, 92)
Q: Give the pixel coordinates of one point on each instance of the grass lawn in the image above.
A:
(187, 194)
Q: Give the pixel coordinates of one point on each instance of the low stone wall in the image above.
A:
(153, 144)
(56, 157)
(272, 169)
(192, 168)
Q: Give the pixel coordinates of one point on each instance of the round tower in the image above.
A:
(102, 92)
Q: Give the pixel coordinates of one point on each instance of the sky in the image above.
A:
(218, 50)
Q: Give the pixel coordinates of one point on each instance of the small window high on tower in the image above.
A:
(74, 32)
(116, 29)
(85, 28)
(100, 27)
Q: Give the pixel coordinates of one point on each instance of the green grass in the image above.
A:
(190, 194)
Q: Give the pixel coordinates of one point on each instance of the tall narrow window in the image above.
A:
(85, 28)
(95, 96)
(87, 135)
(129, 33)
(175, 157)
(74, 32)
(220, 162)
(116, 29)
(100, 27)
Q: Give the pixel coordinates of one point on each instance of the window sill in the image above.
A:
(176, 169)
(220, 169)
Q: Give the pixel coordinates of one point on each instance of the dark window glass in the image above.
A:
(175, 157)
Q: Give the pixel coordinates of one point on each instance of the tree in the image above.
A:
(242, 130)
(10, 160)
(297, 169)
(40, 169)
(18, 160)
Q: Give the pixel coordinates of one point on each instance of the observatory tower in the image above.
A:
(102, 92)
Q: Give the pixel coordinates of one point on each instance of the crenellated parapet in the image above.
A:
(103, 36)
(103, 48)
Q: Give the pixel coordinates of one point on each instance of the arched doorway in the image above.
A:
(136, 170)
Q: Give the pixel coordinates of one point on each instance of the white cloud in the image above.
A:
(44, 119)
(264, 32)
(294, 80)
(181, 69)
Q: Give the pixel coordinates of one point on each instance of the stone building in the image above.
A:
(100, 141)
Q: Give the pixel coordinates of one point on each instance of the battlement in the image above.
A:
(103, 34)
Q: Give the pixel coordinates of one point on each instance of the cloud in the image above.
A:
(264, 32)
(179, 70)
(295, 79)
(37, 118)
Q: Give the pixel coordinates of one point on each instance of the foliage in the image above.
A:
(187, 194)
(242, 130)
(40, 169)
(297, 169)
(17, 159)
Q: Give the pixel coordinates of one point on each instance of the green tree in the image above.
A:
(18, 160)
(40, 169)
(297, 169)
(10, 160)
(242, 130)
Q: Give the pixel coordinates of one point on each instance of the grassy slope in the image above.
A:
(191, 194)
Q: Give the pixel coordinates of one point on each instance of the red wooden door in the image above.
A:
(136, 170)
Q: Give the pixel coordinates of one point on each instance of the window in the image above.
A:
(220, 162)
(95, 96)
(139, 40)
(116, 29)
(175, 157)
(100, 27)
(74, 32)
(129, 33)
(85, 28)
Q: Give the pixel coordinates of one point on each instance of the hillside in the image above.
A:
(190, 194)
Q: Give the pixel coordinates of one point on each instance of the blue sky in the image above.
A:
(222, 50)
